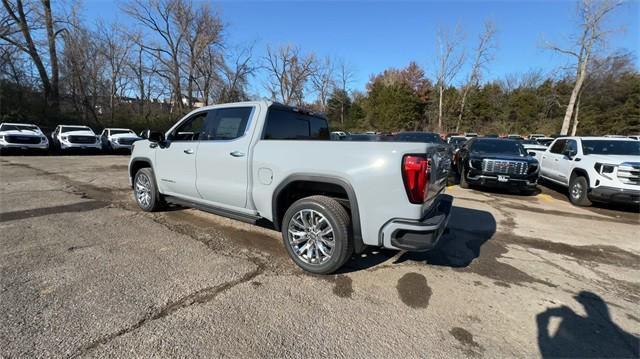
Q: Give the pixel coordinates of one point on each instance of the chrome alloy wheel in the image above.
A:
(143, 190)
(311, 237)
(576, 190)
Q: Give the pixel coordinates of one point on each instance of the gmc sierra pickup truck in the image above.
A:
(601, 169)
(260, 160)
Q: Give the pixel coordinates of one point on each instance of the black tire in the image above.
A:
(463, 178)
(339, 220)
(578, 191)
(155, 201)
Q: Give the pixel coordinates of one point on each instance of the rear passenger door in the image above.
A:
(222, 162)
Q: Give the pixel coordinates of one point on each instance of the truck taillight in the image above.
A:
(415, 174)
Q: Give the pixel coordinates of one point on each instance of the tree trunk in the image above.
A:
(576, 121)
(30, 49)
(580, 77)
(464, 99)
(54, 96)
(441, 90)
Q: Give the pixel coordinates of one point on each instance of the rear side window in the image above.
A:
(226, 124)
(286, 124)
(558, 146)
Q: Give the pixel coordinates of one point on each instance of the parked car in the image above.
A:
(114, 139)
(635, 137)
(496, 162)
(515, 136)
(470, 134)
(22, 136)
(425, 137)
(266, 161)
(604, 169)
(456, 142)
(533, 147)
(535, 136)
(361, 137)
(545, 141)
(68, 137)
(338, 135)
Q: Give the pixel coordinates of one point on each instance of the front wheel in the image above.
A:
(578, 188)
(316, 232)
(145, 190)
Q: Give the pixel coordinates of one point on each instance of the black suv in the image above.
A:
(496, 162)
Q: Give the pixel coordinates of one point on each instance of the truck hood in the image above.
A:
(124, 135)
(21, 133)
(613, 159)
(78, 133)
(499, 156)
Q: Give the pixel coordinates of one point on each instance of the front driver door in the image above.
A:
(565, 162)
(222, 162)
(549, 165)
(175, 163)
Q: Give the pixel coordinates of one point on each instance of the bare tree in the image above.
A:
(323, 81)
(236, 71)
(83, 67)
(201, 29)
(158, 16)
(482, 56)
(450, 59)
(18, 30)
(592, 14)
(289, 72)
(345, 77)
(115, 47)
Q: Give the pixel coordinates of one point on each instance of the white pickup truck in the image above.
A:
(599, 169)
(265, 161)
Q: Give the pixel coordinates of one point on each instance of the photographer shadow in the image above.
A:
(592, 336)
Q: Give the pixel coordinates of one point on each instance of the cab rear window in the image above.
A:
(289, 124)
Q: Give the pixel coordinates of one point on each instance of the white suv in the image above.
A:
(599, 169)
(75, 137)
(22, 136)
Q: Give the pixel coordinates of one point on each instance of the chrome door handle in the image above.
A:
(188, 151)
(237, 154)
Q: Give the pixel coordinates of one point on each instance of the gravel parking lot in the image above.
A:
(83, 272)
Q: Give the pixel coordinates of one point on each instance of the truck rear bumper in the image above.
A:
(421, 235)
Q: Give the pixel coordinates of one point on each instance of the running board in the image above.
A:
(247, 218)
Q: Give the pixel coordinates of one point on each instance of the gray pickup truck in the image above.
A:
(261, 160)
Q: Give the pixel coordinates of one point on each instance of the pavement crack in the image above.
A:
(201, 296)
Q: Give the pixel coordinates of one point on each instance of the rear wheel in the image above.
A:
(316, 232)
(146, 192)
(578, 188)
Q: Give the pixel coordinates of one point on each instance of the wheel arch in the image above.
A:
(136, 164)
(580, 172)
(278, 209)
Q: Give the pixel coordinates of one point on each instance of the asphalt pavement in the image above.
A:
(84, 273)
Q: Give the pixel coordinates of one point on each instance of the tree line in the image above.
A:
(172, 56)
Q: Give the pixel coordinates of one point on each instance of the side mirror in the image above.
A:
(155, 136)
(532, 154)
(570, 153)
